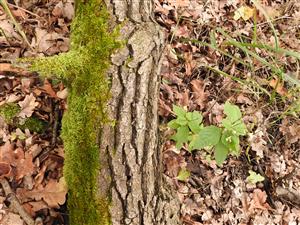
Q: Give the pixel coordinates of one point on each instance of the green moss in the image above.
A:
(9, 111)
(83, 69)
(33, 124)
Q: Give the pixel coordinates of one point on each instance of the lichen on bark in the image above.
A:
(83, 69)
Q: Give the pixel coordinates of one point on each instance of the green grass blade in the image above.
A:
(241, 81)
(263, 11)
(216, 49)
(16, 24)
(270, 48)
(235, 43)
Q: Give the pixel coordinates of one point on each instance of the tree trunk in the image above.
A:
(122, 183)
(131, 171)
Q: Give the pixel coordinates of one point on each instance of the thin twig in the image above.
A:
(18, 27)
(55, 124)
(25, 10)
(279, 18)
(15, 205)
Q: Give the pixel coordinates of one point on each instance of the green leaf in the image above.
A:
(173, 124)
(194, 116)
(236, 143)
(221, 153)
(227, 123)
(194, 126)
(189, 116)
(231, 141)
(192, 140)
(179, 111)
(208, 136)
(254, 178)
(181, 121)
(232, 111)
(181, 136)
(183, 175)
(212, 37)
(195, 119)
(240, 128)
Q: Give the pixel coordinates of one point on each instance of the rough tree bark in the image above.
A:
(118, 179)
(131, 170)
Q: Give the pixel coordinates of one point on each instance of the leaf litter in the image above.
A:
(270, 106)
(209, 194)
(31, 152)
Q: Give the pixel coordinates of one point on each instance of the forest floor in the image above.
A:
(237, 51)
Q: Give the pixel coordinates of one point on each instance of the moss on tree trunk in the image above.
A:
(83, 69)
(121, 181)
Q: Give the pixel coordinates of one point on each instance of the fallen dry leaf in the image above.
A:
(258, 143)
(189, 63)
(184, 98)
(8, 29)
(173, 162)
(17, 158)
(58, 9)
(68, 10)
(7, 153)
(27, 106)
(25, 82)
(200, 96)
(25, 166)
(279, 87)
(5, 170)
(34, 206)
(12, 98)
(179, 3)
(164, 109)
(11, 219)
(259, 200)
(54, 193)
(50, 42)
(291, 130)
(244, 12)
(63, 94)
(48, 88)
(10, 68)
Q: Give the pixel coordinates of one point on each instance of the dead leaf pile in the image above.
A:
(32, 160)
(221, 195)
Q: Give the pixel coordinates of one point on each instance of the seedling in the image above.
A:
(254, 178)
(223, 139)
(186, 124)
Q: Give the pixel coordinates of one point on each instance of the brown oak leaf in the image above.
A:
(259, 200)
(54, 193)
(199, 93)
(27, 106)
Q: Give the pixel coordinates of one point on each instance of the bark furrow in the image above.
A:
(132, 175)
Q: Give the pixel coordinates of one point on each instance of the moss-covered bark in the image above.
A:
(130, 189)
(83, 69)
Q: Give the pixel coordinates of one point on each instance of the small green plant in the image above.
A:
(254, 178)
(183, 175)
(224, 139)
